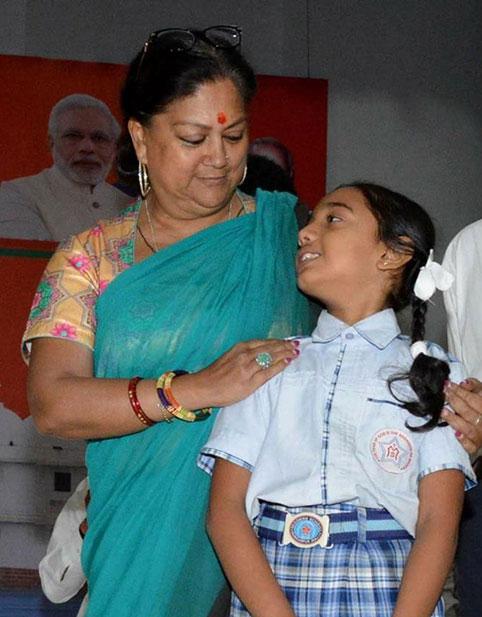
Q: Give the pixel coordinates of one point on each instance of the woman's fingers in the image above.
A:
(245, 367)
(466, 402)
(464, 431)
(261, 355)
(468, 445)
(262, 375)
(472, 385)
(273, 356)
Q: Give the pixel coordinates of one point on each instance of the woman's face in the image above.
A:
(195, 151)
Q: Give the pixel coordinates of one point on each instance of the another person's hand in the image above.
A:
(84, 524)
(236, 374)
(466, 400)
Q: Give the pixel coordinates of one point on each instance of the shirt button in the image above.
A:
(350, 335)
(96, 204)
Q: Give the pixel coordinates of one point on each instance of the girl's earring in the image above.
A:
(143, 177)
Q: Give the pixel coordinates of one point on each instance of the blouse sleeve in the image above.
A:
(64, 303)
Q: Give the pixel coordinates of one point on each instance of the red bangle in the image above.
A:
(134, 401)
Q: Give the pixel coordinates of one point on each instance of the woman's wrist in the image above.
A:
(190, 391)
(150, 403)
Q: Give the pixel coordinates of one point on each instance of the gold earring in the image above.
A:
(245, 173)
(143, 177)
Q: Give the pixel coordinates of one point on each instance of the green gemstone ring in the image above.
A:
(264, 359)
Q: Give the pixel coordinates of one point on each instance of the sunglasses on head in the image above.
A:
(183, 39)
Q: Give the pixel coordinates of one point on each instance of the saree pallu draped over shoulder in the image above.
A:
(146, 552)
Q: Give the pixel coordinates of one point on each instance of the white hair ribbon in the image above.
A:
(432, 276)
(417, 348)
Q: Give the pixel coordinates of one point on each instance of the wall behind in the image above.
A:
(405, 102)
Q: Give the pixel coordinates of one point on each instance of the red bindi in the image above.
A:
(222, 117)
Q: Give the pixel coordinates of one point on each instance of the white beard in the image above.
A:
(80, 175)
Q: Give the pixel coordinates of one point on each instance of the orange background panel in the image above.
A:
(32, 86)
(292, 109)
(21, 265)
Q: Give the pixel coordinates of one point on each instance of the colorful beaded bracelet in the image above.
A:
(166, 397)
(134, 401)
(166, 414)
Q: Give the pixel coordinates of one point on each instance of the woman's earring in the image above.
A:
(143, 177)
(245, 173)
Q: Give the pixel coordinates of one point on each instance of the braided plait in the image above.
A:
(405, 227)
(419, 310)
(426, 376)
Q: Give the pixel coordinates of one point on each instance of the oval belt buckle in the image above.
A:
(306, 529)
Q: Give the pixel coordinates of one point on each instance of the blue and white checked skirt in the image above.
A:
(357, 579)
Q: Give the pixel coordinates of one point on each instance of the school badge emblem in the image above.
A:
(393, 450)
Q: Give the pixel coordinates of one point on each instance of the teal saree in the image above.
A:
(146, 553)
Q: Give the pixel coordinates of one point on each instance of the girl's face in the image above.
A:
(340, 260)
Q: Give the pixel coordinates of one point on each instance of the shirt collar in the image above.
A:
(379, 329)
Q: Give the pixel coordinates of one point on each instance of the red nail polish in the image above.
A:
(458, 434)
(296, 352)
(296, 342)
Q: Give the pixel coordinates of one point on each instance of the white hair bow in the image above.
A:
(432, 276)
(417, 348)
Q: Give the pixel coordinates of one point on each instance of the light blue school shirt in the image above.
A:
(327, 430)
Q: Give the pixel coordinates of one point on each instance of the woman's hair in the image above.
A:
(405, 227)
(159, 76)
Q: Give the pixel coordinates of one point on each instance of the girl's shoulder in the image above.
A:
(457, 369)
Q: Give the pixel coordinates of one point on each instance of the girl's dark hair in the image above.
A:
(158, 76)
(405, 227)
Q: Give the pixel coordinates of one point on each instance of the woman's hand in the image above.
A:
(466, 400)
(235, 375)
(67, 401)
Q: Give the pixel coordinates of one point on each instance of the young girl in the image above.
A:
(336, 492)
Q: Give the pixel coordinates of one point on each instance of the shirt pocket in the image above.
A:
(385, 446)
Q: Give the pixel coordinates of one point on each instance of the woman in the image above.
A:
(176, 281)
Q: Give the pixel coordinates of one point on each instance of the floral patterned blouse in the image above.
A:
(77, 274)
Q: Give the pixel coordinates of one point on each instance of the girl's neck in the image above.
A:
(355, 313)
